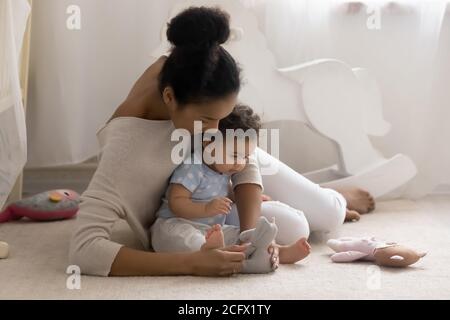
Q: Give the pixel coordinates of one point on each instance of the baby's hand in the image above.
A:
(218, 206)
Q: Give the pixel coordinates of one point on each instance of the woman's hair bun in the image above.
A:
(199, 27)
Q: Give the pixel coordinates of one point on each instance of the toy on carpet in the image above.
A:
(46, 206)
(388, 254)
(260, 238)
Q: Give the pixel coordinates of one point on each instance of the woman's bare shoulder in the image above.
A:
(140, 97)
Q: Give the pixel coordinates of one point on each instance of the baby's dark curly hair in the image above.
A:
(242, 117)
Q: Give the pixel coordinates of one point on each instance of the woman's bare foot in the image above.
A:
(294, 252)
(214, 238)
(352, 215)
(357, 199)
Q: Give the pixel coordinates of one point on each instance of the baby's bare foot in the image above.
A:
(294, 252)
(214, 238)
(352, 215)
(357, 199)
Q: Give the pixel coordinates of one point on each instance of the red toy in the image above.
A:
(46, 206)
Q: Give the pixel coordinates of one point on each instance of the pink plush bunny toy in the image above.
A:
(387, 254)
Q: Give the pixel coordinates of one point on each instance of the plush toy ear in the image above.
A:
(246, 235)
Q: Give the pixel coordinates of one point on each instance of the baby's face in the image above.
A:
(235, 156)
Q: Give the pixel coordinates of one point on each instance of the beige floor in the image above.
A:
(36, 266)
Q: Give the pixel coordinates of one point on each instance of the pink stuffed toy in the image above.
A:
(45, 206)
(387, 254)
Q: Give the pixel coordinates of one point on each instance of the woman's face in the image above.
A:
(209, 112)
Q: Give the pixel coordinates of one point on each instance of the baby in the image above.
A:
(197, 201)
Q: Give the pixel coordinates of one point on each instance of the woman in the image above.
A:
(199, 80)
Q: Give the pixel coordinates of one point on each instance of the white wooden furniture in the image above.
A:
(337, 101)
(344, 105)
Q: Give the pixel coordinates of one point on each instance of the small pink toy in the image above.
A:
(388, 254)
(46, 206)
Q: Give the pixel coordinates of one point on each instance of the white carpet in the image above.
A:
(38, 260)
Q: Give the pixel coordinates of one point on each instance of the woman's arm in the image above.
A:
(130, 262)
(92, 250)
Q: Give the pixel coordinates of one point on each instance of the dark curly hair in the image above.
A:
(198, 68)
(242, 117)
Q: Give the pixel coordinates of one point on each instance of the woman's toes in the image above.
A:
(352, 215)
(358, 199)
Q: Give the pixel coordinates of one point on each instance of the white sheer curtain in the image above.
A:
(408, 54)
(13, 18)
(298, 30)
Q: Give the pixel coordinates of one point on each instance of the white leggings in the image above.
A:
(299, 205)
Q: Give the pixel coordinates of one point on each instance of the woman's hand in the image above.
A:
(217, 262)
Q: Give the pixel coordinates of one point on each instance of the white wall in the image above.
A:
(79, 77)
